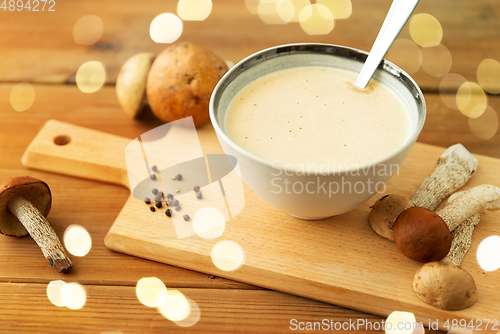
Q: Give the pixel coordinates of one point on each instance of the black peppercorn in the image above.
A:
(196, 189)
(178, 177)
(168, 213)
(158, 204)
(199, 196)
(152, 208)
(147, 200)
(175, 202)
(178, 208)
(186, 217)
(153, 177)
(159, 197)
(170, 196)
(154, 168)
(169, 202)
(154, 191)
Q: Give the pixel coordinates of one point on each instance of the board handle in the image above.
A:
(77, 151)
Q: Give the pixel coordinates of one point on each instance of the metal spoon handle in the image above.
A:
(395, 20)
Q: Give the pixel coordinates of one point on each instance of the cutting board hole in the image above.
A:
(62, 140)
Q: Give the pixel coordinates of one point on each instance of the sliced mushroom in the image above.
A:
(453, 169)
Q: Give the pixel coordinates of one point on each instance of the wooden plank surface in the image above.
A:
(329, 260)
(39, 48)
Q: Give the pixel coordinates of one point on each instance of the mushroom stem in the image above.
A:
(461, 240)
(41, 231)
(453, 169)
(469, 203)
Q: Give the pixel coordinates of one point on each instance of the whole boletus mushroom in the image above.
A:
(445, 286)
(181, 81)
(131, 83)
(24, 203)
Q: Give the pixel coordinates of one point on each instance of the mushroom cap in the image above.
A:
(445, 286)
(422, 235)
(34, 190)
(384, 213)
(131, 83)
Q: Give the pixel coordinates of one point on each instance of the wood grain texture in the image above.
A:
(39, 48)
(329, 260)
(469, 32)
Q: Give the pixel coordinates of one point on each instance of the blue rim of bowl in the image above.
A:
(327, 49)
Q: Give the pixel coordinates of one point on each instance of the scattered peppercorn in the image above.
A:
(196, 189)
(153, 177)
(154, 168)
(186, 217)
(170, 196)
(147, 200)
(199, 196)
(178, 208)
(152, 208)
(154, 191)
(158, 204)
(168, 213)
(178, 177)
(175, 202)
(169, 202)
(159, 197)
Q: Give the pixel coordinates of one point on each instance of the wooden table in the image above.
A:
(39, 48)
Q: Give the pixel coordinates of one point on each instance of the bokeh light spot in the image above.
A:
(77, 240)
(485, 126)
(227, 255)
(165, 28)
(436, 60)
(341, 9)
(406, 54)
(194, 10)
(397, 318)
(54, 292)
(488, 253)
(285, 10)
(448, 87)
(22, 96)
(471, 99)
(193, 316)
(90, 77)
(316, 20)
(298, 5)
(73, 296)
(88, 30)
(268, 12)
(252, 6)
(488, 75)
(151, 291)
(425, 30)
(209, 223)
(175, 307)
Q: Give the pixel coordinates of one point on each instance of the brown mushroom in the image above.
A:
(131, 83)
(24, 203)
(425, 236)
(445, 286)
(453, 169)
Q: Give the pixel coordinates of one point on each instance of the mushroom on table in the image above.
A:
(453, 170)
(24, 203)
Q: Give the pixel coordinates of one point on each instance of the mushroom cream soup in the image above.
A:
(314, 116)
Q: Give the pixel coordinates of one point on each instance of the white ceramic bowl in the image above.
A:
(328, 193)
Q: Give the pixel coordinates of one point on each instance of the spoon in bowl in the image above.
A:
(395, 20)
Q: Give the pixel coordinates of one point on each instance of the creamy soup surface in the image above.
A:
(314, 116)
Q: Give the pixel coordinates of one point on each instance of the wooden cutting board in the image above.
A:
(338, 260)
